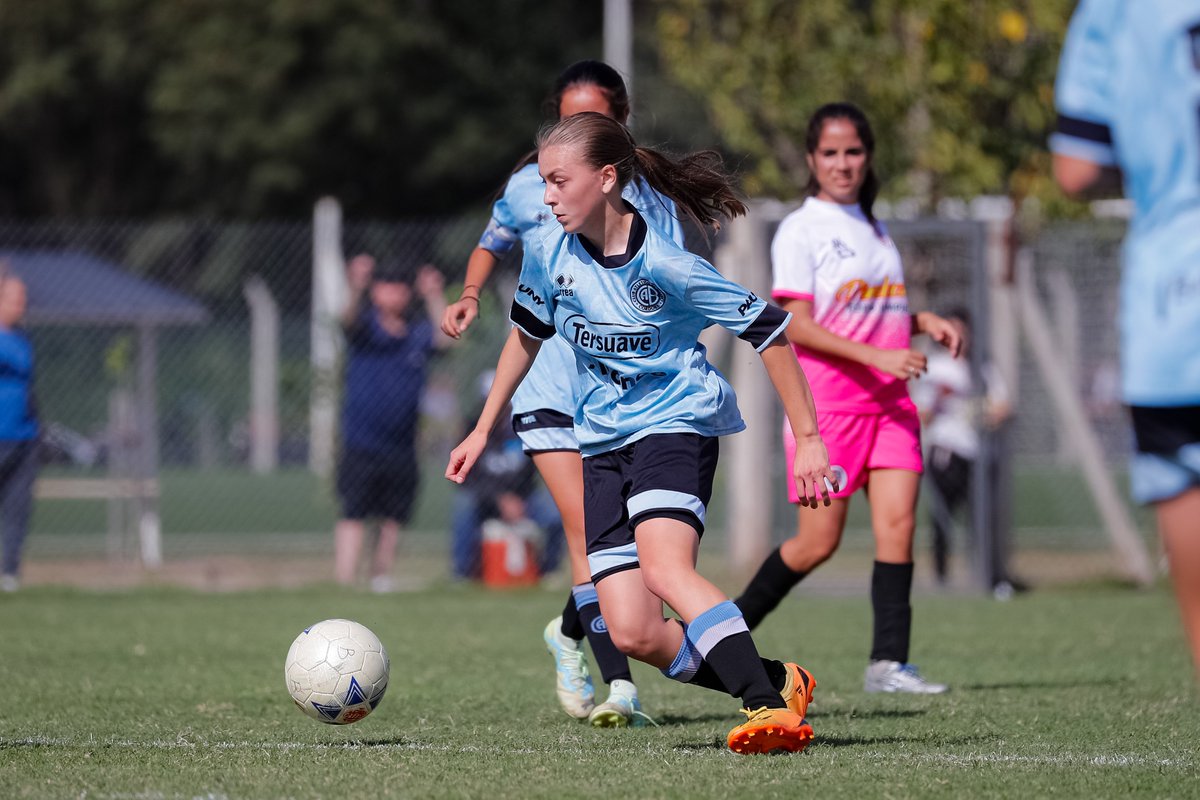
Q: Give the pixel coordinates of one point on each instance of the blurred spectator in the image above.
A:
(953, 416)
(18, 427)
(503, 486)
(389, 346)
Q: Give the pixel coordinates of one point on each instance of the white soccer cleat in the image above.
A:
(894, 677)
(9, 583)
(621, 709)
(573, 684)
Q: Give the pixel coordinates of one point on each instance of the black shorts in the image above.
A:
(1167, 461)
(378, 484)
(667, 475)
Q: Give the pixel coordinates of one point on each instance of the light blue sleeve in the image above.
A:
(1084, 88)
(533, 305)
(517, 211)
(732, 306)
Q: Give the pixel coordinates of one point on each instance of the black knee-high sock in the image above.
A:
(891, 589)
(721, 638)
(690, 668)
(571, 627)
(707, 677)
(612, 662)
(769, 586)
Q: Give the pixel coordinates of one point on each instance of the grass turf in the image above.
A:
(166, 693)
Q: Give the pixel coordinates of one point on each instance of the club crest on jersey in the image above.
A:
(842, 249)
(645, 296)
(564, 283)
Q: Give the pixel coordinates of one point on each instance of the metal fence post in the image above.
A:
(328, 296)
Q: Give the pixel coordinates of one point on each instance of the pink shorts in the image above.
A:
(859, 443)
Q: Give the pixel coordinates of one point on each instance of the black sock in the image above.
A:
(612, 662)
(769, 586)
(706, 677)
(571, 627)
(736, 663)
(891, 589)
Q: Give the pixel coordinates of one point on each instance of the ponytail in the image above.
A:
(697, 182)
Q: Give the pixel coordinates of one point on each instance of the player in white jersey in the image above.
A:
(1126, 95)
(544, 404)
(652, 407)
(839, 274)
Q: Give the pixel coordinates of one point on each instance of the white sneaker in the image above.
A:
(621, 709)
(9, 583)
(574, 684)
(892, 676)
(383, 584)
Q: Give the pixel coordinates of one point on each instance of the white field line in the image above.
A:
(943, 759)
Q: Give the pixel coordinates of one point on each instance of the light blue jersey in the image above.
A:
(1128, 95)
(632, 322)
(516, 215)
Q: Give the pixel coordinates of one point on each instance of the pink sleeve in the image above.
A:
(789, 294)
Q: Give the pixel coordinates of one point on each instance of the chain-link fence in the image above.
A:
(143, 337)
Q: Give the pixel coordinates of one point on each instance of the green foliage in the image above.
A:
(251, 109)
(959, 91)
(173, 694)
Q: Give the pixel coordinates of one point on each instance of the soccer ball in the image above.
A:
(336, 671)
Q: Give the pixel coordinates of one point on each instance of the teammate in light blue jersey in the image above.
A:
(545, 403)
(630, 303)
(1128, 99)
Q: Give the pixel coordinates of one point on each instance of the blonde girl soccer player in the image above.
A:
(839, 274)
(544, 404)
(631, 304)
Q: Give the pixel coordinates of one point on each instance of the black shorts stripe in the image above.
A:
(615, 570)
(686, 517)
(1083, 129)
(542, 418)
(765, 326)
(1165, 430)
(524, 319)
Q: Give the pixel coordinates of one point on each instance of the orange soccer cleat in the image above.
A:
(770, 730)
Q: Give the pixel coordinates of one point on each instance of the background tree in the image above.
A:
(119, 107)
(959, 91)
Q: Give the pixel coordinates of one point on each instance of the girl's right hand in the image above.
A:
(902, 364)
(459, 316)
(463, 457)
(811, 469)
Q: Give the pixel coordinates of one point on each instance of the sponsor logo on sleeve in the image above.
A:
(750, 300)
(531, 294)
(645, 296)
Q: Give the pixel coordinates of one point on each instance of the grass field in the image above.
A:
(152, 694)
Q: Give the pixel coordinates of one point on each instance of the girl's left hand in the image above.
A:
(942, 331)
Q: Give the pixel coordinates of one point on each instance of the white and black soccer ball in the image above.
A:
(337, 671)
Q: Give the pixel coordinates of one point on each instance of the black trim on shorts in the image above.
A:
(528, 322)
(686, 517)
(1166, 429)
(541, 418)
(1083, 129)
(765, 327)
(623, 568)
